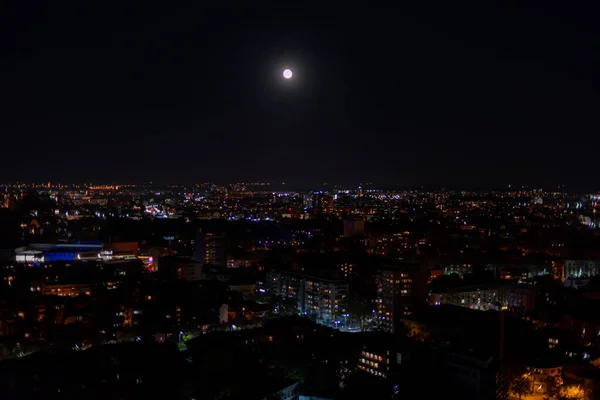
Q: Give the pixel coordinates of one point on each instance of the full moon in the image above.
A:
(287, 74)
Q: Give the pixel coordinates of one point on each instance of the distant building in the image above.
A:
(51, 252)
(327, 202)
(396, 294)
(459, 269)
(210, 248)
(321, 200)
(239, 262)
(247, 289)
(354, 227)
(581, 268)
(192, 272)
(65, 289)
(377, 364)
(384, 355)
(180, 268)
(322, 298)
(481, 298)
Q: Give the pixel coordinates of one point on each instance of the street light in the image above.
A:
(345, 319)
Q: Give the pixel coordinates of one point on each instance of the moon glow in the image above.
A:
(287, 74)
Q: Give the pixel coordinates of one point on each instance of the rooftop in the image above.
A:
(37, 248)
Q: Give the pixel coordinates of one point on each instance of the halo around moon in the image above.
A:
(287, 73)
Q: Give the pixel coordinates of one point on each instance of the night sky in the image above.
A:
(440, 93)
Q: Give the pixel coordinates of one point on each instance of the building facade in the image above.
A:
(51, 252)
(475, 298)
(321, 298)
(581, 268)
(210, 248)
(396, 294)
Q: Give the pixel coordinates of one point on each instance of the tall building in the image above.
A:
(397, 294)
(210, 248)
(354, 227)
(317, 200)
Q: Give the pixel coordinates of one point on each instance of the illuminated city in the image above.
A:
(292, 201)
(425, 266)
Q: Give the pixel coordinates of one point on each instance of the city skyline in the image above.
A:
(291, 186)
(318, 288)
(278, 201)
